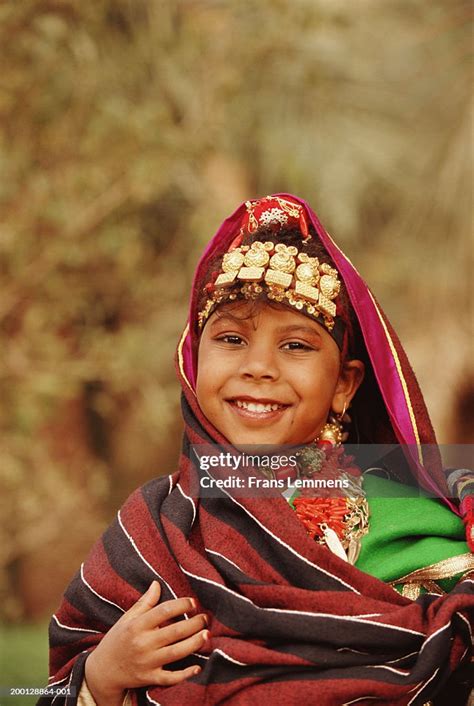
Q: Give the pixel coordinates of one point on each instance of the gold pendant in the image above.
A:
(353, 551)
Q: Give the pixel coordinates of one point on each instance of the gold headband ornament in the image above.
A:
(283, 273)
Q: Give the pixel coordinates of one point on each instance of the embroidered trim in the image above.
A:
(444, 569)
(402, 378)
(427, 576)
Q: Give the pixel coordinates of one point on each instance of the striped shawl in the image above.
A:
(291, 623)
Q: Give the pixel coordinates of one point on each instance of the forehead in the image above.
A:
(252, 314)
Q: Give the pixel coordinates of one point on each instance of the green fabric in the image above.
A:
(407, 531)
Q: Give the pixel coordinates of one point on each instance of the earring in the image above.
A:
(331, 433)
(344, 409)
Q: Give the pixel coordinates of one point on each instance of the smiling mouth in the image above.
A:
(262, 408)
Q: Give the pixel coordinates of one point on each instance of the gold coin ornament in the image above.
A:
(328, 270)
(304, 257)
(283, 259)
(257, 256)
(232, 261)
(329, 286)
(307, 271)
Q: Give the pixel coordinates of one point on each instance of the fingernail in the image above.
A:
(205, 618)
(206, 635)
(193, 603)
(196, 670)
(147, 590)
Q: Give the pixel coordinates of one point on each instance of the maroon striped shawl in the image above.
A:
(290, 622)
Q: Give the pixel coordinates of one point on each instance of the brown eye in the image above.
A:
(232, 339)
(297, 346)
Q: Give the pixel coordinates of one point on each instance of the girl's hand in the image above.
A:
(135, 650)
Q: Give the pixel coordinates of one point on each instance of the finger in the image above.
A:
(167, 611)
(149, 600)
(179, 650)
(179, 631)
(166, 678)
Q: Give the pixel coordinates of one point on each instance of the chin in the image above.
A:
(244, 441)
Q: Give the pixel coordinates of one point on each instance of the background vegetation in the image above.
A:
(129, 130)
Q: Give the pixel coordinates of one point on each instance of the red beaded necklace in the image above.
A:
(332, 515)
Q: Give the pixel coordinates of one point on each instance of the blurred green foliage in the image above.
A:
(129, 130)
(23, 659)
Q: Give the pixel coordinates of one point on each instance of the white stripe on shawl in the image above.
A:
(190, 500)
(106, 600)
(231, 659)
(350, 618)
(132, 542)
(68, 627)
(349, 649)
(170, 479)
(68, 685)
(423, 686)
(470, 634)
(404, 673)
(433, 635)
(410, 691)
(390, 661)
(399, 659)
(463, 617)
(211, 551)
(60, 681)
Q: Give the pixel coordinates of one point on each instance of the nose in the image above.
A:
(259, 363)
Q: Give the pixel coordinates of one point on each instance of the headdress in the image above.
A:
(283, 273)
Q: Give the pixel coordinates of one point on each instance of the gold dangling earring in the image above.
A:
(331, 433)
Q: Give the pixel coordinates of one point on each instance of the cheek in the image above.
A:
(316, 379)
(202, 378)
(315, 386)
(210, 377)
(205, 390)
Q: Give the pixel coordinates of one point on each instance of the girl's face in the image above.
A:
(269, 375)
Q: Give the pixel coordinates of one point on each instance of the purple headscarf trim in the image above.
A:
(381, 349)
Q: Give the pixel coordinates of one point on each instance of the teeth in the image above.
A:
(257, 406)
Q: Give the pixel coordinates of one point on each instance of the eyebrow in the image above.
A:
(297, 327)
(228, 318)
(292, 328)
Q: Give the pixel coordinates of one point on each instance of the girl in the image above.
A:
(357, 596)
